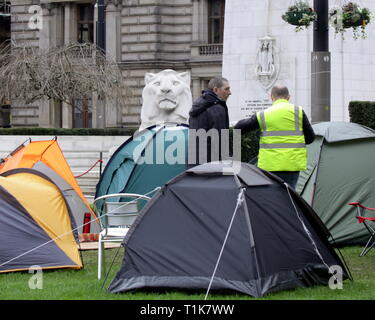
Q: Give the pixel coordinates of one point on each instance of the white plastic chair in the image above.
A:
(115, 221)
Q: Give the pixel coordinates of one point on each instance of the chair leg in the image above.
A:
(103, 258)
(370, 243)
(100, 257)
(368, 247)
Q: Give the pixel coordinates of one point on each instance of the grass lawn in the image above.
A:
(83, 284)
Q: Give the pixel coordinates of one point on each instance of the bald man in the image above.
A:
(285, 131)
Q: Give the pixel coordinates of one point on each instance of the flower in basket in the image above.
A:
(300, 15)
(348, 16)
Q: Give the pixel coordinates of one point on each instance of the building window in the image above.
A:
(4, 21)
(216, 9)
(5, 8)
(82, 113)
(85, 23)
(5, 116)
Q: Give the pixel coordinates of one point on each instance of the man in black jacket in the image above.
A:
(208, 116)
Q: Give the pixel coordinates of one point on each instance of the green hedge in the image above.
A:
(362, 112)
(249, 145)
(36, 131)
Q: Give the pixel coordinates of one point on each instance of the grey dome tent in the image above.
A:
(270, 238)
(145, 161)
(340, 170)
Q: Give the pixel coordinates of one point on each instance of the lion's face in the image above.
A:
(165, 88)
(166, 96)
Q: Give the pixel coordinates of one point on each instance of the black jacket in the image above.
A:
(208, 112)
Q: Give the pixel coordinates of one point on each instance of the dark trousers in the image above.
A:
(290, 177)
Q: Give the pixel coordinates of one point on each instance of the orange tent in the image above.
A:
(48, 152)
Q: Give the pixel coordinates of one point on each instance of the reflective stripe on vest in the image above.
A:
(282, 150)
(296, 132)
(281, 145)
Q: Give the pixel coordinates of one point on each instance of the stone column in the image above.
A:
(112, 29)
(111, 118)
(70, 22)
(196, 88)
(196, 22)
(67, 116)
(51, 35)
(199, 23)
(52, 32)
(70, 35)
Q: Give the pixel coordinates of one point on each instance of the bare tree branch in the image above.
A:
(73, 71)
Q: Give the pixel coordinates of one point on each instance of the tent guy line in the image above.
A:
(306, 230)
(66, 233)
(240, 200)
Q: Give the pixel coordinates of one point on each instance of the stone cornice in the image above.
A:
(154, 64)
(62, 2)
(164, 64)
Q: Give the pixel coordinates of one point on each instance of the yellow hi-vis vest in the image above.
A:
(282, 142)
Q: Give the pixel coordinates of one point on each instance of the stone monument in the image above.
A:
(261, 50)
(251, 58)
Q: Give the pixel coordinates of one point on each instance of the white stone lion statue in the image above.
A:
(166, 97)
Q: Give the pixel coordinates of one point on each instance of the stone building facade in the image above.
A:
(141, 35)
(188, 35)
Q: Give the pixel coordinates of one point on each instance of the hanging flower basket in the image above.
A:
(348, 16)
(300, 15)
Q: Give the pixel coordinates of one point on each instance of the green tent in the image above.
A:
(147, 160)
(340, 170)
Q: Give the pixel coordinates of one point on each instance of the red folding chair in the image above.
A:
(362, 219)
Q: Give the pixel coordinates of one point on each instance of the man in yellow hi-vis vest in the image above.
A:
(285, 131)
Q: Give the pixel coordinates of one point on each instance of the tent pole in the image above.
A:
(101, 164)
(252, 242)
(317, 172)
(22, 145)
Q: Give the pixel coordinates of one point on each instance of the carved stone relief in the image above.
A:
(267, 67)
